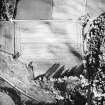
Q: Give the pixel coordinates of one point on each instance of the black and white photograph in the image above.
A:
(52, 52)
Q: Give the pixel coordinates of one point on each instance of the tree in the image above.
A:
(94, 55)
(7, 9)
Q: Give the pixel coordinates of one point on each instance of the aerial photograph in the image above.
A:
(52, 52)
